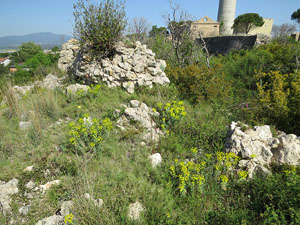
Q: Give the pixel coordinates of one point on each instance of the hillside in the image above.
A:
(150, 143)
(45, 39)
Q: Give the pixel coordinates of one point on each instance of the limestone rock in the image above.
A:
(73, 88)
(51, 82)
(48, 185)
(128, 68)
(258, 148)
(24, 210)
(135, 210)
(155, 159)
(52, 220)
(66, 208)
(6, 190)
(97, 202)
(28, 169)
(25, 125)
(30, 185)
(140, 113)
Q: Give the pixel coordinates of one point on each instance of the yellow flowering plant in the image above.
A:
(170, 114)
(86, 134)
(190, 175)
(69, 219)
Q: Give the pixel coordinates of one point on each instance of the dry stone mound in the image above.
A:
(258, 148)
(130, 67)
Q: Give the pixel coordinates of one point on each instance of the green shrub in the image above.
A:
(200, 83)
(279, 100)
(99, 26)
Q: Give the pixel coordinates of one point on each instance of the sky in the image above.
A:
(19, 17)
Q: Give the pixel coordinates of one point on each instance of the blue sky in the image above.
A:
(20, 17)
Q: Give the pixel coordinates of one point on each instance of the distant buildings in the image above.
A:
(206, 26)
(5, 61)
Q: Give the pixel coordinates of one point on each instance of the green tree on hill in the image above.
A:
(28, 50)
(296, 16)
(248, 21)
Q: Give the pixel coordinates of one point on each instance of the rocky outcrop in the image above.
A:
(135, 210)
(258, 148)
(140, 114)
(6, 191)
(155, 159)
(52, 220)
(67, 54)
(130, 67)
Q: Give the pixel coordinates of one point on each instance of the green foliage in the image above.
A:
(99, 26)
(4, 70)
(248, 21)
(197, 83)
(170, 114)
(296, 16)
(86, 134)
(157, 31)
(27, 50)
(279, 96)
(275, 199)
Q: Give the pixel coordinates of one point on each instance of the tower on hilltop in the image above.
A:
(226, 16)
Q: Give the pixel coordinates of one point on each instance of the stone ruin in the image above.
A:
(129, 68)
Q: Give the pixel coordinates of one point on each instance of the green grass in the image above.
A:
(120, 172)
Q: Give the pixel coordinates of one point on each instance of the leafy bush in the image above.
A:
(200, 83)
(279, 100)
(275, 199)
(99, 26)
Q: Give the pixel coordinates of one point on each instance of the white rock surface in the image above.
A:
(258, 148)
(30, 185)
(48, 185)
(73, 88)
(135, 210)
(155, 159)
(6, 191)
(52, 220)
(66, 208)
(28, 169)
(129, 68)
(25, 125)
(139, 112)
(24, 210)
(97, 202)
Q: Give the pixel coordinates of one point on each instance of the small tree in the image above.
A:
(99, 26)
(27, 50)
(139, 28)
(296, 16)
(248, 21)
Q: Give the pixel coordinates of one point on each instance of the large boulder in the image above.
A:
(258, 148)
(130, 67)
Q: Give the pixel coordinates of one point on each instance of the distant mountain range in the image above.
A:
(46, 40)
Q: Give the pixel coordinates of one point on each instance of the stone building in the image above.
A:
(206, 26)
(266, 29)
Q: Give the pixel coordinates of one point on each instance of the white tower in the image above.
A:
(226, 16)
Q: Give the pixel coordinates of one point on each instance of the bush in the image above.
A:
(200, 83)
(99, 26)
(279, 100)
